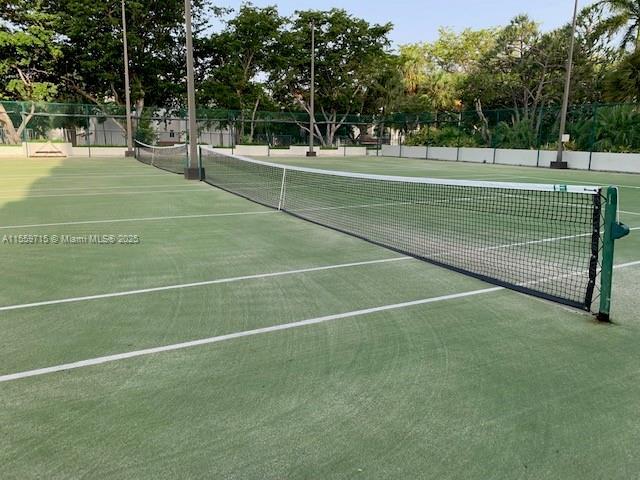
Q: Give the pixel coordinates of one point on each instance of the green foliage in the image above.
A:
(28, 52)
(448, 136)
(144, 131)
(350, 54)
(618, 129)
(619, 17)
(93, 49)
(233, 58)
(623, 83)
(520, 134)
(434, 72)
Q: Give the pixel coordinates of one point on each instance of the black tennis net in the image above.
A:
(542, 240)
(172, 159)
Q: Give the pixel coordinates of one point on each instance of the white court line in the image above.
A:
(48, 176)
(629, 213)
(40, 190)
(193, 190)
(142, 219)
(627, 265)
(248, 277)
(231, 336)
(249, 333)
(199, 284)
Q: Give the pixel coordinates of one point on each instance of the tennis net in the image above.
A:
(172, 159)
(543, 240)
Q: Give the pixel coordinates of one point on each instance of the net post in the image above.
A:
(613, 230)
(197, 172)
(281, 198)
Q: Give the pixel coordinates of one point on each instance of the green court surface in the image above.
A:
(379, 366)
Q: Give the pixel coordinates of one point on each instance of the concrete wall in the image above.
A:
(13, 151)
(292, 151)
(599, 161)
(301, 151)
(414, 152)
(616, 162)
(390, 151)
(477, 155)
(526, 158)
(252, 150)
(612, 162)
(32, 149)
(443, 153)
(110, 152)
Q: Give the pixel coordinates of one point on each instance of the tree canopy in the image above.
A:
(254, 58)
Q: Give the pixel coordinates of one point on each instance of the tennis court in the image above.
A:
(174, 329)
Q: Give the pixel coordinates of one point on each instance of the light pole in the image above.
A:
(127, 93)
(192, 171)
(312, 106)
(560, 163)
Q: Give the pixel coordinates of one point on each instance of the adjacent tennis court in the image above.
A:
(171, 328)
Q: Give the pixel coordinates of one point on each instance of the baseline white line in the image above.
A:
(43, 190)
(248, 333)
(161, 173)
(231, 336)
(193, 190)
(143, 219)
(198, 284)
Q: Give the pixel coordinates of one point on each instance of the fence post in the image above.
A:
(25, 132)
(233, 136)
(493, 137)
(428, 139)
(594, 132)
(459, 135)
(87, 134)
(539, 141)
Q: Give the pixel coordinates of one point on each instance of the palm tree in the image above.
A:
(620, 16)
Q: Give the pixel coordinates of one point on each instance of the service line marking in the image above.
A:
(231, 336)
(199, 284)
(249, 333)
(142, 219)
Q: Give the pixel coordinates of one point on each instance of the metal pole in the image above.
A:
(312, 105)
(127, 93)
(567, 87)
(191, 172)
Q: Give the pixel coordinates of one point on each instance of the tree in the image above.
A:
(93, 52)
(525, 73)
(234, 59)
(623, 83)
(348, 55)
(434, 72)
(619, 17)
(28, 52)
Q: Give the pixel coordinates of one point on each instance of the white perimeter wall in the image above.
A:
(616, 162)
(13, 151)
(600, 161)
(30, 149)
(110, 152)
(296, 151)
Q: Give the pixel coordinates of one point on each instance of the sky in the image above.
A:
(419, 20)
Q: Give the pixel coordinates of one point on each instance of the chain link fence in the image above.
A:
(592, 128)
